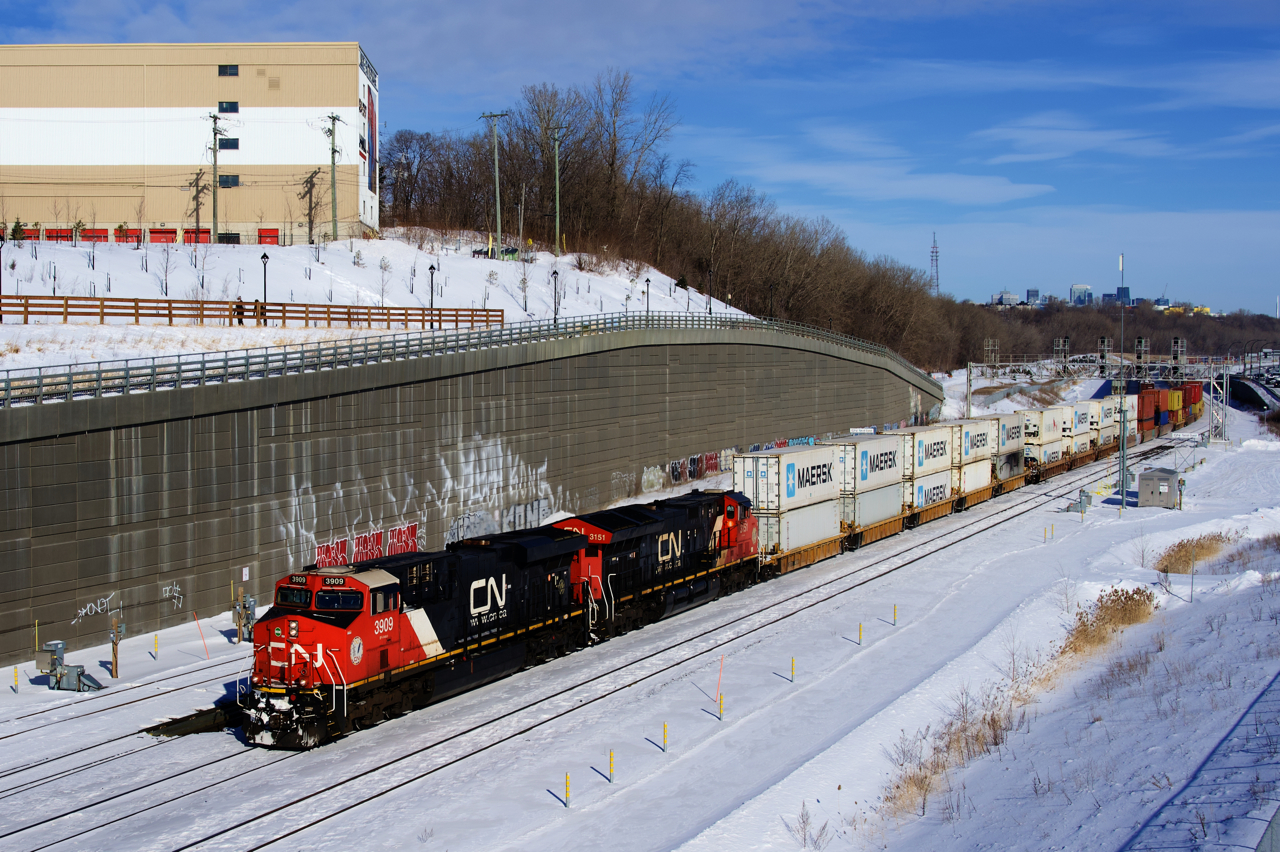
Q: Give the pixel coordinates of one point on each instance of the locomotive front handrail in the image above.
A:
(62, 383)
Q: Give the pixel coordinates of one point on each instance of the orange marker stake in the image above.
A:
(201, 629)
(721, 678)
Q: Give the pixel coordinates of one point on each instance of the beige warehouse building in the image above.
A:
(117, 142)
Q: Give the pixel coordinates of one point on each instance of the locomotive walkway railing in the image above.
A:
(42, 385)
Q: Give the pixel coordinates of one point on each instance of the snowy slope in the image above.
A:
(522, 290)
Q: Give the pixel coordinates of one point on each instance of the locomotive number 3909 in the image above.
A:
(383, 625)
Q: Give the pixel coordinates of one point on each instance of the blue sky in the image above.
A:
(1038, 139)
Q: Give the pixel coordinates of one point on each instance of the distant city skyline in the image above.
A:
(1038, 141)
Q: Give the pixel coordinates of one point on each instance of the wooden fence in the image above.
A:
(86, 309)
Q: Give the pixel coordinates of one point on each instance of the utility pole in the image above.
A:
(198, 189)
(520, 245)
(218, 133)
(492, 118)
(307, 195)
(559, 131)
(332, 133)
(1124, 407)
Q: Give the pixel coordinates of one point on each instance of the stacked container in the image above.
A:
(1147, 400)
(1006, 458)
(1082, 418)
(869, 470)
(1042, 433)
(1109, 410)
(977, 440)
(794, 494)
(929, 453)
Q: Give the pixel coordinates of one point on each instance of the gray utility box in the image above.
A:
(1158, 487)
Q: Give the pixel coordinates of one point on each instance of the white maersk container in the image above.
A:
(1007, 432)
(787, 478)
(976, 440)
(799, 527)
(975, 476)
(927, 450)
(868, 463)
(1041, 425)
(927, 490)
(1095, 413)
(1046, 453)
(1081, 413)
(1009, 465)
(1109, 411)
(1108, 435)
(871, 507)
(1130, 407)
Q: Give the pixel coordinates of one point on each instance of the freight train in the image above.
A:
(345, 646)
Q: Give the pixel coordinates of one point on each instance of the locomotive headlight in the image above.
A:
(293, 630)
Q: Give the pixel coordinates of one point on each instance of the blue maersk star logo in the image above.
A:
(791, 480)
(863, 466)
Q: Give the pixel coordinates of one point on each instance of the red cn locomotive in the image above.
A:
(346, 646)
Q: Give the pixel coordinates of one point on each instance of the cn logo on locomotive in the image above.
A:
(494, 592)
(669, 546)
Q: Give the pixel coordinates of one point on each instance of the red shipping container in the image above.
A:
(1146, 425)
(1162, 399)
(1147, 405)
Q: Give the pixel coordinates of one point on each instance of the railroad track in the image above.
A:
(648, 665)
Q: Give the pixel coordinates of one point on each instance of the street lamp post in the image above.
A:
(555, 294)
(646, 295)
(262, 320)
(431, 272)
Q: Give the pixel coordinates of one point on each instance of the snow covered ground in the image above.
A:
(523, 291)
(1108, 751)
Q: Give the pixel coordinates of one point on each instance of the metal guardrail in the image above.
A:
(42, 385)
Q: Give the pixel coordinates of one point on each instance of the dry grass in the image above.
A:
(1180, 557)
(1272, 419)
(1243, 558)
(980, 723)
(976, 724)
(1114, 610)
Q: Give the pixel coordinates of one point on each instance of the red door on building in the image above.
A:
(94, 235)
(164, 235)
(268, 236)
(190, 236)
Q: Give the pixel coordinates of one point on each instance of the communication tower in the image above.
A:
(933, 264)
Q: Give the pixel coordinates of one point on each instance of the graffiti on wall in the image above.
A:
(102, 606)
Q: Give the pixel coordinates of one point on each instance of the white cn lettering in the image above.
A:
(668, 547)
(493, 592)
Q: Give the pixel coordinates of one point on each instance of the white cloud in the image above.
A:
(849, 162)
(1058, 135)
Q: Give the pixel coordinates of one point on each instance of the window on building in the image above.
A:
(228, 106)
(228, 181)
(229, 239)
(226, 143)
(228, 70)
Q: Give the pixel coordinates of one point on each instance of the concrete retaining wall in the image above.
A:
(150, 506)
